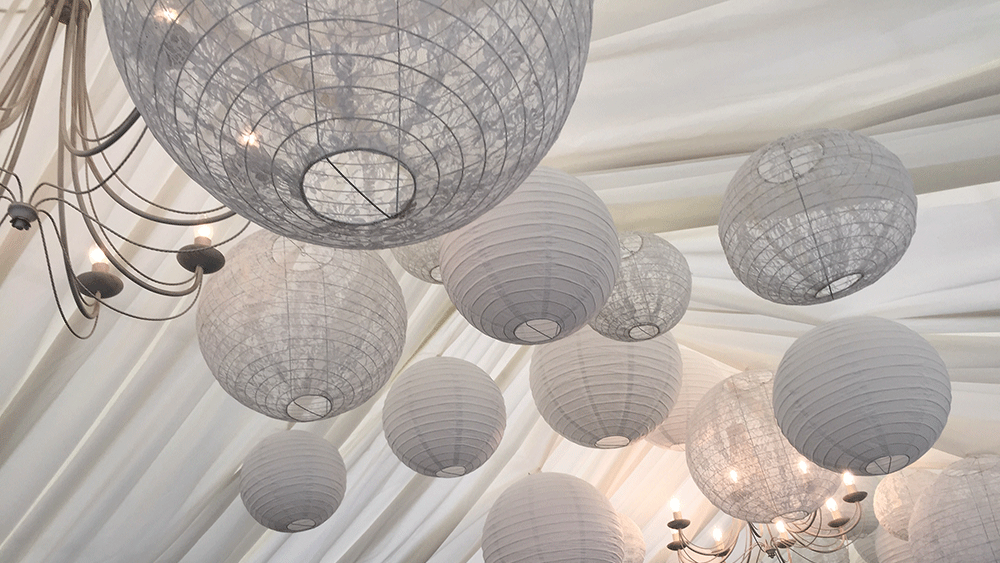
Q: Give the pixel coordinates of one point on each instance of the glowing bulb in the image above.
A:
(249, 139)
(204, 231)
(733, 475)
(831, 504)
(169, 14)
(717, 534)
(675, 505)
(848, 478)
(803, 466)
(780, 525)
(97, 255)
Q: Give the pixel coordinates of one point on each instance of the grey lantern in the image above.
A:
(421, 260)
(816, 216)
(635, 544)
(301, 332)
(895, 496)
(862, 394)
(891, 549)
(700, 373)
(353, 124)
(444, 417)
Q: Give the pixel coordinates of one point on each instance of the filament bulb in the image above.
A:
(848, 478)
(831, 504)
(803, 466)
(717, 534)
(97, 255)
(733, 475)
(675, 505)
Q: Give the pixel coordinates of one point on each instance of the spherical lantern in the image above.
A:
(538, 266)
(957, 519)
(862, 394)
(700, 374)
(444, 417)
(652, 291)
(895, 496)
(816, 216)
(891, 549)
(293, 481)
(421, 260)
(602, 393)
(549, 517)
(808, 556)
(353, 124)
(301, 332)
(741, 462)
(865, 546)
(635, 544)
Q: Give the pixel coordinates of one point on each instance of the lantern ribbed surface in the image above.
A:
(808, 556)
(891, 549)
(957, 520)
(538, 266)
(816, 216)
(866, 548)
(602, 393)
(444, 417)
(700, 374)
(293, 481)
(742, 463)
(652, 292)
(354, 124)
(421, 260)
(635, 543)
(552, 518)
(895, 497)
(301, 332)
(862, 394)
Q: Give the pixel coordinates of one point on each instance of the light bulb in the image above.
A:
(249, 139)
(717, 535)
(848, 478)
(97, 256)
(204, 231)
(733, 475)
(803, 466)
(675, 505)
(780, 525)
(169, 14)
(831, 505)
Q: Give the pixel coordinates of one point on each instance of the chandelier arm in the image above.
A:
(17, 80)
(55, 295)
(88, 311)
(199, 277)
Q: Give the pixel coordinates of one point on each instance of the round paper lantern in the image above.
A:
(538, 266)
(635, 544)
(808, 556)
(353, 124)
(895, 496)
(301, 332)
(891, 549)
(741, 462)
(701, 373)
(421, 260)
(652, 292)
(957, 520)
(293, 481)
(816, 216)
(862, 394)
(601, 393)
(865, 546)
(444, 417)
(549, 517)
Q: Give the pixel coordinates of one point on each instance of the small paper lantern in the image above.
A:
(602, 393)
(743, 464)
(862, 394)
(957, 519)
(421, 260)
(841, 555)
(652, 292)
(891, 549)
(293, 481)
(816, 216)
(895, 496)
(538, 266)
(865, 546)
(635, 544)
(301, 332)
(701, 373)
(444, 417)
(550, 517)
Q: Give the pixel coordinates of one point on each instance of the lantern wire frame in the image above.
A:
(88, 166)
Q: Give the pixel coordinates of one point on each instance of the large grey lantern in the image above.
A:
(700, 373)
(895, 497)
(652, 292)
(444, 417)
(358, 124)
(957, 519)
(602, 393)
(293, 481)
(538, 266)
(862, 394)
(549, 517)
(301, 332)
(816, 216)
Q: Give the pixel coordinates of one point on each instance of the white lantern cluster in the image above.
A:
(444, 417)
(862, 394)
(538, 266)
(700, 373)
(652, 292)
(293, 481)
(421, 260)
(635, 544)
(816, 216)
(602, 393)
(548, 517)
(301, 332)
(895, 497)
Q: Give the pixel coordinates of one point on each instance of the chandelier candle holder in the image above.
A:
(817, 216)
(353, 124)
(895, 497)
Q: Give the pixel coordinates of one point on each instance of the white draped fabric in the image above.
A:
(124, 448)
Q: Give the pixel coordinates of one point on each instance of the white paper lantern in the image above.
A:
(891, 549)
(862, 394)
(700, 374)
(866, 548)
(635, 544)
(895, 496)
(741, 462)
(444, 417)
(301, 332)
(816, 216)
(354, 124)
(652, 292)
(421, 260)
(957, 520)
(602, 393)
(538, 266)
(293, 481)
(550, 517)
(808, 556)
